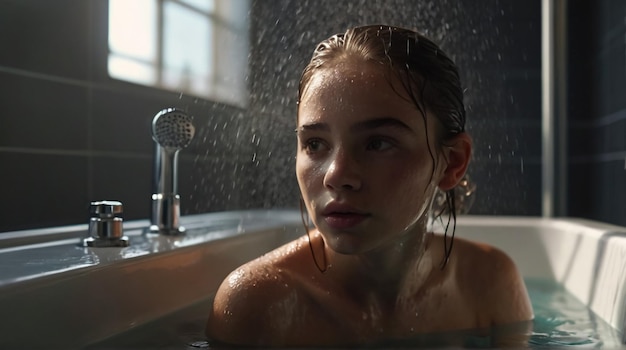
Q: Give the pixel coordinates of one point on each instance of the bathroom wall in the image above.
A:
(69, 134)
(496, 45)
(597, 110)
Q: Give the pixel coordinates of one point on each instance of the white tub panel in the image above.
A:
(587, 257)
(608, 292)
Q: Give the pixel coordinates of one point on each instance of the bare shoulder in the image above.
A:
(493, 281)
(261, 289)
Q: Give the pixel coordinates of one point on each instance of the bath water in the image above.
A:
(561, 320)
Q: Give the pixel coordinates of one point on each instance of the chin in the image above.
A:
(348, 244)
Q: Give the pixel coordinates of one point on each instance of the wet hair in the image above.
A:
(427, 74)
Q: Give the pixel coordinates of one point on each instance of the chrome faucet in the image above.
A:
(105, 225)
(172, 130)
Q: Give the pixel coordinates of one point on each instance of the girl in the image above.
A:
(380, 129)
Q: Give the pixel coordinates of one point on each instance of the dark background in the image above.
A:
(70, 135)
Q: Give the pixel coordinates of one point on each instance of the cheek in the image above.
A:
(300, 174)
(308, 174)
(412, 187)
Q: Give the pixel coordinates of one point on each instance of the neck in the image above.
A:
(392, 271)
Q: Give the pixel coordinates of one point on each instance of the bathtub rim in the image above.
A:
(38, 239)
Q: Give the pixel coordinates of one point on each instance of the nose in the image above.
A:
(343, 172)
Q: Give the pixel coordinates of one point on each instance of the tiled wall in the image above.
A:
(70, 135)
(597, 110)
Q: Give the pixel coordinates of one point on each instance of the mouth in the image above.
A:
(342, 216)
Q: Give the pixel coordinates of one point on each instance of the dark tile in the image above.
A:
(523, 95)
(616, 202)
(220, 129)
(210, 183)
(42, 191)
(616, 66)
(580, 193)
(270, 180)
(122, 119)
(616, 135)
(49, 37)
(613, 24)
(502, 140)
(42, 114)
(581, 140)
(126, 179)
(512, 188)
(610, 137)
(609, 79)
(607, 202)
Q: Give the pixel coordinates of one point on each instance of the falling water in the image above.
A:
(247, 155)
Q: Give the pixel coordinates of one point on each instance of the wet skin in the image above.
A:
(368, 163)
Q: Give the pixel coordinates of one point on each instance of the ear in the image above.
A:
(457, 153)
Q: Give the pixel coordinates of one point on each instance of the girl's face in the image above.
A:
(363, 162)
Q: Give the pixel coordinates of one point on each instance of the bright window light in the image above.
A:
(190, 46)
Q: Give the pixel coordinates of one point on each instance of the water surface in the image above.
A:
(560, 321)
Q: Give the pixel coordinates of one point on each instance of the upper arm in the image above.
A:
(507, 297)
(494, 285)
(225, 317)
(238, 308)
(249, 309)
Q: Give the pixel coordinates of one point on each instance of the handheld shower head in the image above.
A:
(172, 130)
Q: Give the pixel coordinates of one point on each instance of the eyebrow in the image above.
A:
(313, 127)
(384, 122)
(376, 123)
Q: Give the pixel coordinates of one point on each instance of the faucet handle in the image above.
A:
(105, 209)
(105, 225)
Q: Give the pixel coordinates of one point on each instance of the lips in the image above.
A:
(343, 216)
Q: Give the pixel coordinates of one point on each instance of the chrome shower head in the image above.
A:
(172, 129)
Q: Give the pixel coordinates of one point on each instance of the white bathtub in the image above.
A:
(55, 293)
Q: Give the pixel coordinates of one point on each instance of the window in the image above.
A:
(199, 47)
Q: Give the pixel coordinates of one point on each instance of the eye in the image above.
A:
(313, 146)
(379, 145)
